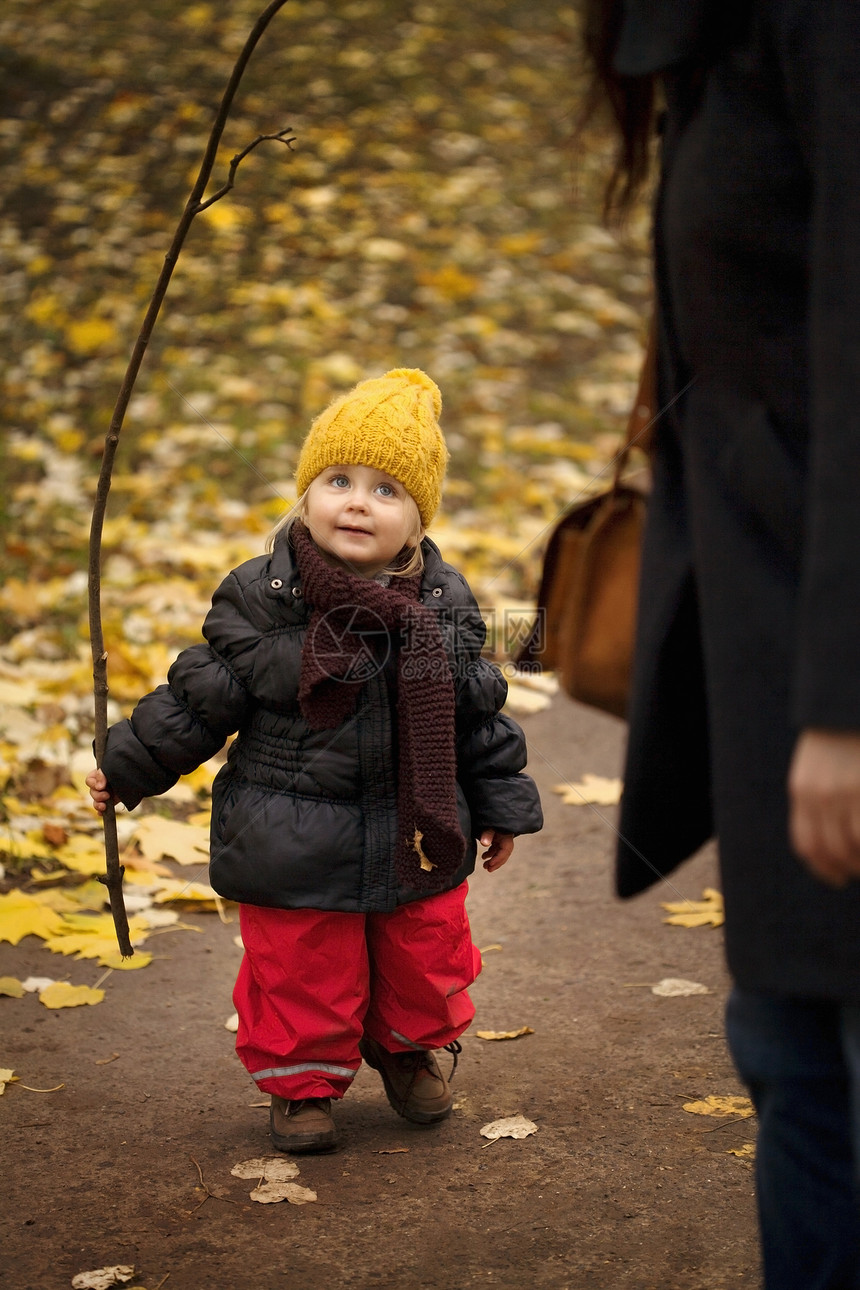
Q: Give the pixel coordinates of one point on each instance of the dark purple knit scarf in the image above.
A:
(354, 624)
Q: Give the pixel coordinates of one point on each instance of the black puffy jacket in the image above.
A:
(302, 817)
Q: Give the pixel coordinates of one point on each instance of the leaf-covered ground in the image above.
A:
(438, 210)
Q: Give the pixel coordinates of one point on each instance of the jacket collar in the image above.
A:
(435, 580)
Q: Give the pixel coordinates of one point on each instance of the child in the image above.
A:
(370, 754)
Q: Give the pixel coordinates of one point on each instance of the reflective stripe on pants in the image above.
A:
(312, 982)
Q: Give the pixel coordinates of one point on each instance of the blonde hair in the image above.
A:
(398, 569)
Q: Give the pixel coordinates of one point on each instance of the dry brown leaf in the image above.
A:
(740, 1107)
(513, 1126)
(269, 1193)
(269, 1168)
(676, 987)
(103, 1278)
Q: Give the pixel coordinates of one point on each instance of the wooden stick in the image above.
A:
(112, 878)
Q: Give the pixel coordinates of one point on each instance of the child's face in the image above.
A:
(361, 516)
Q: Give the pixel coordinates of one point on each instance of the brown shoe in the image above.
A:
(414, 1084)
(302, 1126)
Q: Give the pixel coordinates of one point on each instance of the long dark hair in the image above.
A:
(630, 101)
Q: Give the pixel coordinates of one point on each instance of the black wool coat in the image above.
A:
(306, 818)
(749, 627)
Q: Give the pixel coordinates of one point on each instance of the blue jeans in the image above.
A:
(801, 1063)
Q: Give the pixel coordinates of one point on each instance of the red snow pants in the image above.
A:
(313, 982)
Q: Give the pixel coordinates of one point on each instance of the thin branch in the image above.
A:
(114, 870)
(285, 136)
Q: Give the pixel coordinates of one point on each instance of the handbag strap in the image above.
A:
(643, 415)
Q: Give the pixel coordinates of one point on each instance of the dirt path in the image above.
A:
(620, 1187)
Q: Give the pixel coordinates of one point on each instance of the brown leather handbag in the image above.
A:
(589, 584)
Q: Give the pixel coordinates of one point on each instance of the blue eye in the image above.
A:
(340, 481)
(386, 490)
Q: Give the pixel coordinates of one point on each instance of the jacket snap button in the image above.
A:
(437, 591)
(297, 591)
(276, 584)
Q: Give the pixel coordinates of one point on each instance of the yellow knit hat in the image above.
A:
(390, 423)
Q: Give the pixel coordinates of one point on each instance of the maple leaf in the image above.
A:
(174, 889)
(88, 936)
(81, 854)
(21, 915)
(158, 838)
(697, 913)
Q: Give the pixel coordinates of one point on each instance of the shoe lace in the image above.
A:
(454, 1048)
(422, 1059)
(296, 1104)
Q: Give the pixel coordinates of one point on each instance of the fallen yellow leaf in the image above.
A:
(82, 853)
(158, 838)
(590, 790)
(21, 915)
(697, 913)
(7, 1077)
(504, 1034)
(175, 889)
(11, 987)
(746, 1152)
(62, 994)
(89, 936)
(113, 959)
(740, 1107)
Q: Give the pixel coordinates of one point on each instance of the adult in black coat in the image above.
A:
(747, 677)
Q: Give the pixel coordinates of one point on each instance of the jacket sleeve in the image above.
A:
(491, 754)
(821, 59)
(183, 723)
(491, 748)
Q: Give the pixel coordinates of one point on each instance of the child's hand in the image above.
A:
(99, 790)
(499, 847)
